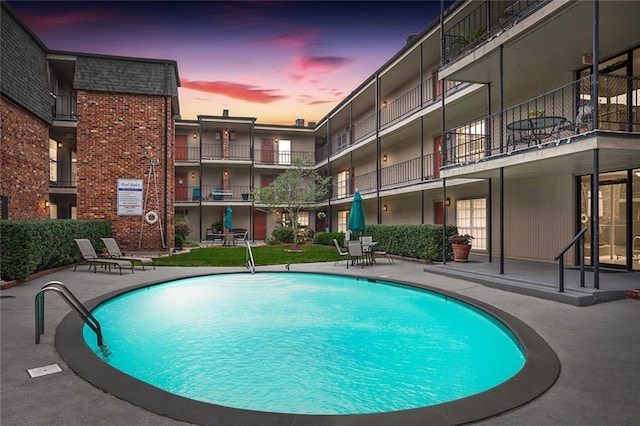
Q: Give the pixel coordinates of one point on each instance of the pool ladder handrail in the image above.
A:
(251, 264)
(72, 301)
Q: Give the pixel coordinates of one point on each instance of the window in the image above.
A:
(471, 218)
(342, 141)
(343, 218)
(284, 151)
(53, 160)
(468, 142)
(303, 219)
(343, 183)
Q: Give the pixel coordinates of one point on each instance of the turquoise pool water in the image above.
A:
(305, 343)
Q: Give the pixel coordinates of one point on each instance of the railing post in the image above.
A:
(581, 254)
(561, 274)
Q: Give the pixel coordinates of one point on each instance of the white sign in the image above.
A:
(130, 197)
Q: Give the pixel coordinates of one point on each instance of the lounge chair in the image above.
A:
(114, 252)
(385, 252)
(88, 255)
(340, 252)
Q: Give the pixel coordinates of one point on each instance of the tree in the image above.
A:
(292, 191)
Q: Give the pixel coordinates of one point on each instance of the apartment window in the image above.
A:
(53, 160)
(303, 219)
(471, 218)
(342, 141)
(284, 151)
(343, 218)
(469, 141)
(343, 183)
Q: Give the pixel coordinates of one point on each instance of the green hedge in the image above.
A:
(28, 246)
(413, 241)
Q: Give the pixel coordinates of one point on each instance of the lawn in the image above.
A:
(262, 255)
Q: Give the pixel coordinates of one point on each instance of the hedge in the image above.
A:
(28, 246)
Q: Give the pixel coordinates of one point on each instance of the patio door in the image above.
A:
(259, 225)
(613, 222)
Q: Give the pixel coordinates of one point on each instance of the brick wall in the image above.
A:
(115, 132)
(24, 162)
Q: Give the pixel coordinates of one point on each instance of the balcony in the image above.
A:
(484, 22)
(282, 158)
(186, 154)
(65, 107)
(215, 193)
(559, 114)
(62, 174)
(215, 151)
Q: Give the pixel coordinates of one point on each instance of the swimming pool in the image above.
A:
(386, 350)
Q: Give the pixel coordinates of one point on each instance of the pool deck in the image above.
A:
(598, 347)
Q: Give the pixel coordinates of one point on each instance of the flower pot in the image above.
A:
(461, 252)
(245, 197)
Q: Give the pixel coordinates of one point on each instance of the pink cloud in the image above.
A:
(319, 64)
(290, 40)
(234, 90)
(41, 21)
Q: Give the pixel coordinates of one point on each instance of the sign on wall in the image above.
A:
(130, 197)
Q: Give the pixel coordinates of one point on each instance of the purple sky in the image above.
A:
(277, 61)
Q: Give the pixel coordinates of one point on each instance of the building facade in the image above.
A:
(494, 118)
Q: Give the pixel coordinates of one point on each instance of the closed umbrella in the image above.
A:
(227, 218)
(356, 215)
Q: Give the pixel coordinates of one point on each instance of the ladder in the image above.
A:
(251, 265)
(72, 301)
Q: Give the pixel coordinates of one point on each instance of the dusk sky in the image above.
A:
(276, 61)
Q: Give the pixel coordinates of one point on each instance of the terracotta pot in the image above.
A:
(461, 252)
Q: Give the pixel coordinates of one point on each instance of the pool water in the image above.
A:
(305, 343)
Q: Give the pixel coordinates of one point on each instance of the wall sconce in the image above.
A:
(384, 104)
(447, 202)
(60, 145)
(384, 208)
(46, 203)
(384, 158)
(277, 140)
(226, 173)
(193, 175)
(226, 132)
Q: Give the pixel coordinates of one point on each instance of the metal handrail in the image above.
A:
(560, 256)
(251, 264)
(72, 301)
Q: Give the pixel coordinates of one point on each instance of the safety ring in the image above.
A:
(151, 217)
(584, 218)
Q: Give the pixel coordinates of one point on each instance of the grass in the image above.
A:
(262, 255)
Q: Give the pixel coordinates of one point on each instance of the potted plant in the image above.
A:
(536, 113)
(461, 245)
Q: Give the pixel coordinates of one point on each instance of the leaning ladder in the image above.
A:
(76, 305)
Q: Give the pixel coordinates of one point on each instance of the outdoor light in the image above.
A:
(60, 145)
(384, 158)
(277, 140)
(193, 175)
(226, 173)
(447, 202)
(384, 208)
(46, 203)
(195, 135)
(384, 104)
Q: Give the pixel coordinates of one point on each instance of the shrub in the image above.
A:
(178, 240)
(282, 234)
(326, 238)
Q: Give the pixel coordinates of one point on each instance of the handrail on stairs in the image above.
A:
(251, 264)
(72, 301)
(579, 238)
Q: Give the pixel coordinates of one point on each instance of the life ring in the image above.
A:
(151, 217)
(584, 218)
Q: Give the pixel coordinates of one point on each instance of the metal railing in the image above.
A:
(215, 151)
(66, 107)
(187, 154)
(229, 193)
(559, 114)
(251, 264)
(283, 158)
(72, 301)
(486, 20)
(63, 173)
(579, 238)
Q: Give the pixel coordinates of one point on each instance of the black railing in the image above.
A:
(187, 154)
(284, 158)
(230, 193)
(215, 151)
(558, 114)
(66, 107)
(63, 173)
(486, 20)
(579, 238)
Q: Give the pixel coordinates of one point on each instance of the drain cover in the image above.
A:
(43, 371)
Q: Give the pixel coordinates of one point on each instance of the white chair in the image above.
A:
(355, 253)
(347, 237)
(340, 252)
(385, 252)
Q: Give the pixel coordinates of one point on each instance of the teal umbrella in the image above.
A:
(356, 215)
(227, 218)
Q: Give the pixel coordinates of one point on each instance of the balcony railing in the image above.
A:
(230, 193)
(66, 107)
(559, 114)
(215, 151)
(187, 154)
(63, 174)
(482, 23)
(283, 158)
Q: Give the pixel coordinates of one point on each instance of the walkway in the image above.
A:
(598, 346)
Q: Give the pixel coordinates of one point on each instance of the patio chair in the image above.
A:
(355, 253)
(385, 252)
(340, 252)
(114, 252)
(88, 255)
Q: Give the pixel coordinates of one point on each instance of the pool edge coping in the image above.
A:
(538, 374)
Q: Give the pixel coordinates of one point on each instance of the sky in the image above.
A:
(277, 61)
